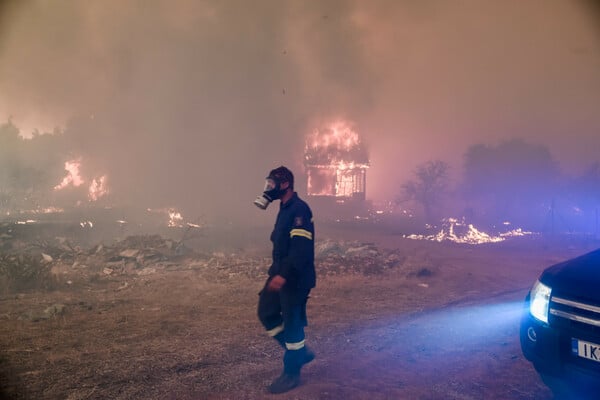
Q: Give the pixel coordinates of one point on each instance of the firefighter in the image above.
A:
(282, 301)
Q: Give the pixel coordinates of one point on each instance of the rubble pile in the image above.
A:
(339, 257)
(47, 263)
(25, 264)
(23, 271)
(138, 254)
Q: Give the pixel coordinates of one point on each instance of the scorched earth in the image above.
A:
(144, 317)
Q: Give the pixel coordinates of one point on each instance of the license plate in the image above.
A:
(590, 351)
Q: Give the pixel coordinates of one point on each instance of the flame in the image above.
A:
(175, 218)
(45, 210)
(471, 235)
(516, 232)
(337, 144)
(98, 188)
(336, 161)
(338, 135)
(26, 222)
(73, 177)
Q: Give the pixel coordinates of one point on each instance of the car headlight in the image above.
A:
(539, 301)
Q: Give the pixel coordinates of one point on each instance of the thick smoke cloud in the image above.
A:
(190, 103)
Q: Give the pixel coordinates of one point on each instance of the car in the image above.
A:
(560, 325)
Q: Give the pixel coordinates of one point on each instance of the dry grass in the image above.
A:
(189, 330)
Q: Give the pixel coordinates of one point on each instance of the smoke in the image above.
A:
(190, 103)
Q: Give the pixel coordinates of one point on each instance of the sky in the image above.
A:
(190, 103)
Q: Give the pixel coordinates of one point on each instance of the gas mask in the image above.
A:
(272, 191)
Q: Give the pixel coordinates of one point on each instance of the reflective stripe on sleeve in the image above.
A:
(275, 331)
(301, 232)
(294, 346)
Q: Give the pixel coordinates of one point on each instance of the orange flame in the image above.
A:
(335, 144)
(98, 188)
(73, 177)
(336, 161)
(469, 234)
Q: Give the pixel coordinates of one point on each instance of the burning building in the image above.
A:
(336, 163)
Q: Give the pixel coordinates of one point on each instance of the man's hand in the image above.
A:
(276, 283)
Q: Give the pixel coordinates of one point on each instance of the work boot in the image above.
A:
(284, 383)
(308, 357)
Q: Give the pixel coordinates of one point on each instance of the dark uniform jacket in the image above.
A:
(293, 245)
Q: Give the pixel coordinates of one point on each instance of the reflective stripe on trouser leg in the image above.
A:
(292, 306)
(294, 346)
(273, 332)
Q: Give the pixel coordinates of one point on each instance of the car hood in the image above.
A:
(577, 278)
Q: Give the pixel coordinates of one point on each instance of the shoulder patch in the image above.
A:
(298, 221)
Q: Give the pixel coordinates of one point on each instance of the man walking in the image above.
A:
(282, 301)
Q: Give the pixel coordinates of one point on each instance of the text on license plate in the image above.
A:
(588, 350)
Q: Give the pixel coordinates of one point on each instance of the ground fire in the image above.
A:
(98, 187)
(336, 162)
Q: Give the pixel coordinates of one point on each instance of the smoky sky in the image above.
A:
(191, 103)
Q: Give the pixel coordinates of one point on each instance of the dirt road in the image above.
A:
(463, 351)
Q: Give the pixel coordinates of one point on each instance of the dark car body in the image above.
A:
(567, 345)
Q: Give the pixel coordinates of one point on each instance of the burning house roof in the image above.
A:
(336, 162)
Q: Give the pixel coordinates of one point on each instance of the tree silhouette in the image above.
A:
(29, 168)
(512, 178)
(589, 183)
(427, 188)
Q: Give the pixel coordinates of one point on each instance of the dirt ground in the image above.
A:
(398, 319)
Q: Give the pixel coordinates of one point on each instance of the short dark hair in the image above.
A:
(282, 174)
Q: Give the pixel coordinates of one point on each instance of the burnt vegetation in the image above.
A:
(514, 181)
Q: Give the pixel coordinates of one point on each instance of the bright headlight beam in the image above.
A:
(539, 301)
